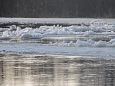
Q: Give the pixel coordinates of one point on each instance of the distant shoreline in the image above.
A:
(54, 21)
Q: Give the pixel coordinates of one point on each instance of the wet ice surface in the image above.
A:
(36, 48)
(16, 70)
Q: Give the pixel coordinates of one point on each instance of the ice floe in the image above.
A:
(97, 34)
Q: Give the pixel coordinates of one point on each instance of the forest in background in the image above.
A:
(58, 8)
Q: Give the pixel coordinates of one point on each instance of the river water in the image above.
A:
(43, 70)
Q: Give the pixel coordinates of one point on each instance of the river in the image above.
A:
(43, 70)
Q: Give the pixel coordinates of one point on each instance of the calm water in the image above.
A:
(51, 71)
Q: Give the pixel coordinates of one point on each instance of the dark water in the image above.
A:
(49, 71)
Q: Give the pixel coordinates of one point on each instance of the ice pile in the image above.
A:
(55, 30)
(28, 33)
(45, 31)
(99, 34)
(88, 43)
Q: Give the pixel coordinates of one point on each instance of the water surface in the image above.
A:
(16, 70)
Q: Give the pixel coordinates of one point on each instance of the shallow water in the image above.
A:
(52, 71)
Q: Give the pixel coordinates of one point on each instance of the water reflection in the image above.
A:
(50, 71)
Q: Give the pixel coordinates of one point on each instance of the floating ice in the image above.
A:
(97, 34)
(7, 33)
(85, 43)
(112, 41)
(100, 44)
(87, 33)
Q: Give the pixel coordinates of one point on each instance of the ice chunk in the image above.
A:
(7, 33)
(87, 33)
(112, 41)
(80, 43)
(100, 44)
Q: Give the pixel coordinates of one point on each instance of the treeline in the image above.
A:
(57, 8)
